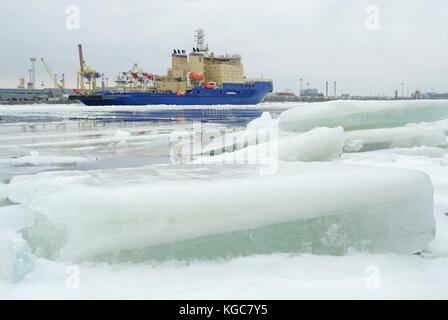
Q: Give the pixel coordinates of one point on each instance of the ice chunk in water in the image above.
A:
(34, 159)
(412, 135)
(2, 193)
(258, 131)
(444, 161)
(354, 115)
(16, 259)
(443, 124)
(260, 122)
(389, 155)
(320, 144)
(121, 134)
(322, 208)
(15, 256)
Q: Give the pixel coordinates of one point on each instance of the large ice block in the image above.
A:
(258, 131)
(390, 155)
(34, 159)
(16, 260)
(321, 208)
(411, 135)
(2, 193)
(319, 144)
(261, 122)
(355, 115)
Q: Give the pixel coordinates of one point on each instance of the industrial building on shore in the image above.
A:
(24, 95)
(27, 92)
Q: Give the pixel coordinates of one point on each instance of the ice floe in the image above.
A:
(35, 159)
(357, 115)
(411, 135)
(362, 201)
(389, 155)
(313, 208)
(319, 144)
(16, 258)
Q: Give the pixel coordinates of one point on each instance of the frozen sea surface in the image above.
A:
(53, 154)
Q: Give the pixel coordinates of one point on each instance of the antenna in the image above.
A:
(200, 40)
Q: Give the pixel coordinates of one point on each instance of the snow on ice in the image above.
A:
(35, 159)
(359, 185)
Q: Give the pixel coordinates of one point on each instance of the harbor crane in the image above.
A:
(53, 76)
(86, 73)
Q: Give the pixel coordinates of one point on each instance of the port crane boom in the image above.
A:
(60, 85)
(86, 73)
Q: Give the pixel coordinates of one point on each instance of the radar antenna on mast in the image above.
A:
(200, 40)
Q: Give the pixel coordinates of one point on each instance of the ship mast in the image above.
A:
(200, 40)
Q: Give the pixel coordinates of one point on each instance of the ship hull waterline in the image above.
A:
(230, 94)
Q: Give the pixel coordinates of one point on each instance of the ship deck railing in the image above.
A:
(121, 89)
(253, 80)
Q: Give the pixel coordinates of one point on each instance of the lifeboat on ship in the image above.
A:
(210, 85)
(194, 76)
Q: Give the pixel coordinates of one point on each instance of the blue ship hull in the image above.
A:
(230, 93)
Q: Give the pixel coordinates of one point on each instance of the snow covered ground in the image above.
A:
(78, 216)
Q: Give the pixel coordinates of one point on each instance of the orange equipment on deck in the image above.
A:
(196, 76)
(210, 85)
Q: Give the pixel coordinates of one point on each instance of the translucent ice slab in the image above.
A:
(355, 115)
(15, 256)
(412, 135)
(389, 155)
(258, 131)
(319, 144)
(315, 208)
(35, 159)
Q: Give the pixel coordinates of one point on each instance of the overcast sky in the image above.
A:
(316, 40)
